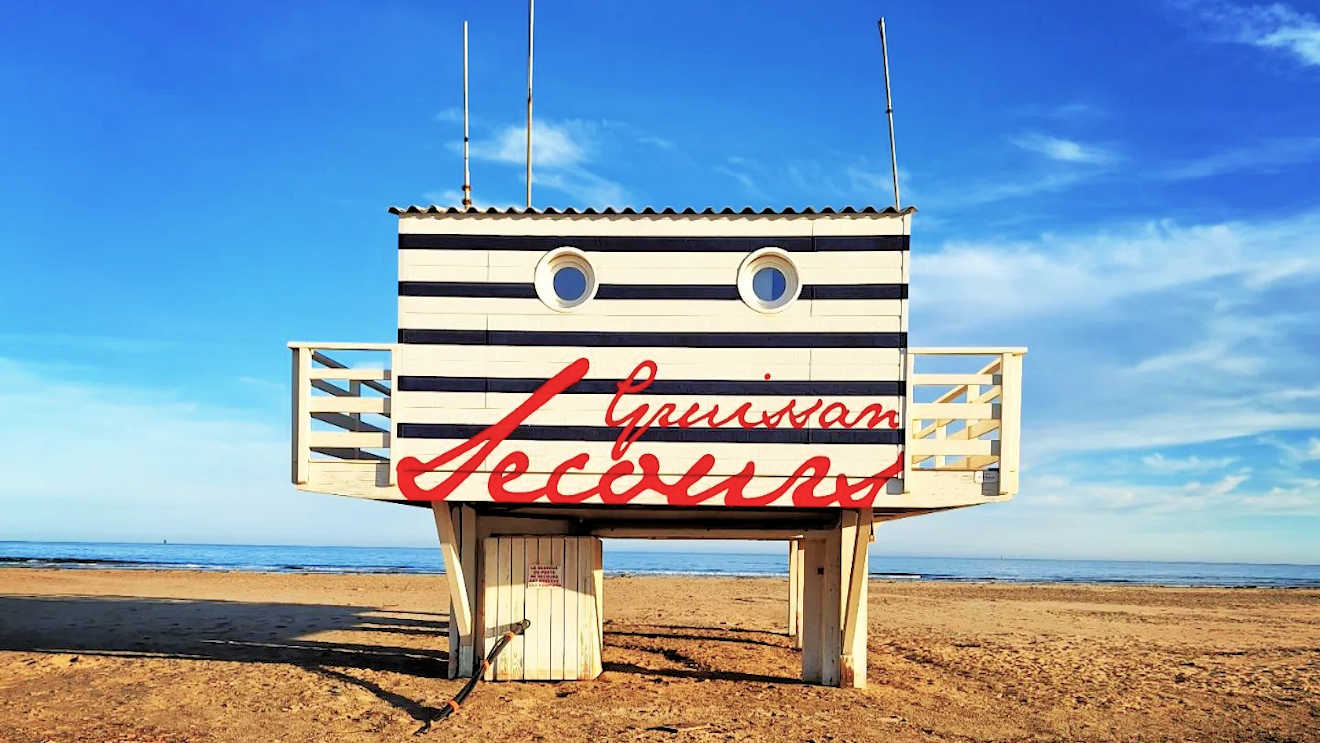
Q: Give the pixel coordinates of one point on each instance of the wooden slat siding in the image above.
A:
(485, 408)
(363, 440)
(588, 645)
(954, 410)
(467, 312)
(327, 404)
(349, 454)
(953, 447)
(570, 611)
(544, 613)
(782, 388)
(589, 339)
(340, 372)
(347, 422)
(744, 321)
(674, 363)
(504, 602)
(518, 603)
(558, 548)
(587, 243)
(490, 598)
(734, 435)
(607, 292)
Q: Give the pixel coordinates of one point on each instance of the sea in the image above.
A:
(620, 561)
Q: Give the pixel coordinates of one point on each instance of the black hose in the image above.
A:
(452, 705)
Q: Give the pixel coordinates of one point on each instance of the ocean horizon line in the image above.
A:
(622, 548)
(297, 559)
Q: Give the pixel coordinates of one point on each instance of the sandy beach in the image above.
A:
(189, 656)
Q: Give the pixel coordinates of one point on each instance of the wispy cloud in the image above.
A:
(554, 145)
(1262, 156)
(1065, 150)
(451, 115)
(1157, 462)
(740, 170)
(564, 156)
(1275, 26)
(655, 141)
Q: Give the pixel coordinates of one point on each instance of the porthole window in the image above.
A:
(570, 283)
(564, 279)
(768, 280)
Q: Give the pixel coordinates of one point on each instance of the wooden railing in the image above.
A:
(341, 410)
(965, 421)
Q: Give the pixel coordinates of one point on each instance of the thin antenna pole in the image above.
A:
(531, 17)
(467, 175)
(889, 111)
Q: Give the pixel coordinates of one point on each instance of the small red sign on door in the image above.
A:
(551, 576)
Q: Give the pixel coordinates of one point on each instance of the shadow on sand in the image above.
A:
(235, 631)
(348, 638)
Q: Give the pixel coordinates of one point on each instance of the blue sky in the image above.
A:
(1133, 194)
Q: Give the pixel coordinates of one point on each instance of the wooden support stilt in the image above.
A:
(468, 652)
(793, 556)
(460, 608)
(821, 608)
(855, 538)
(797, 638)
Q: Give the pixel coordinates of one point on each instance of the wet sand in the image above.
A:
(188, 656)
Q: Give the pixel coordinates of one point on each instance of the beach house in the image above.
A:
(563, 376)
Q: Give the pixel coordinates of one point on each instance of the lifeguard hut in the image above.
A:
(563, 376)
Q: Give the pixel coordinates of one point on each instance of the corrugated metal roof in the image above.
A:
(746, 211)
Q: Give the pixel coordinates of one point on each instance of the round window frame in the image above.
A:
(769, 257)
(550, 264)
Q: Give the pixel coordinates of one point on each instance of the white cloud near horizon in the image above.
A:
(91, 461)
(1144, 335)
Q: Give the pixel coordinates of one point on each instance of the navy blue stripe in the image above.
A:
(663, 435)
(749, 388)
(597, 339)
(518, 290)
(617, 244)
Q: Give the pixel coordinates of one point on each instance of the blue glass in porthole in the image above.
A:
(769, 284)
(570, 283)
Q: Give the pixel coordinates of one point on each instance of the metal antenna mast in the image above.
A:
(467, 175)
(531, 17)
(889, 111)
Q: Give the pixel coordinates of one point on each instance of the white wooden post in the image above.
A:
(1010, 422)
(793, 556)
(460, 610)
(302, 421)
(467, 540)
(797, 597)
(821, 608)
(909, 366)
(856, 538)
